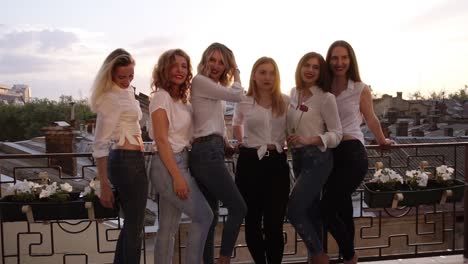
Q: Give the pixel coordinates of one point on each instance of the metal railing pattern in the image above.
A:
(380, 233)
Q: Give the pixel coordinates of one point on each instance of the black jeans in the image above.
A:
(350, 167)
(127, 173)
(264, 184)
(216, 183)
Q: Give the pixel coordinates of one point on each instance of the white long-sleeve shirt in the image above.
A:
(261, 128)
(118, 115)
(207, 98)
(321, 119)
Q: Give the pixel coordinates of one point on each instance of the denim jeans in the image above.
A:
(171, 208)
(311, 167)
(350, 160)
(264, 184)
(127, 173)
(208, 168)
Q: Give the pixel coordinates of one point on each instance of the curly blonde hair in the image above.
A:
(203, 68)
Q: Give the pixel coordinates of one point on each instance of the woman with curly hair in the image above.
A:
(210, 88)
(171, 129)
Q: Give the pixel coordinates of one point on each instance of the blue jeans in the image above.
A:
(127, 173)
(311, 167)
(208, 168)
(171, 208)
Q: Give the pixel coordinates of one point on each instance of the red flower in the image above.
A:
(303, 108)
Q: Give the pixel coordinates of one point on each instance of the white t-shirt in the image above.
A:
(350, 111)
(321, 118)
(179, 116)
(118, 115)
(207, 98)
(260, 126)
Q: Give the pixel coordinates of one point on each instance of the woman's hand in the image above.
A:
(107, 196)
(181, 188)
(295, 139)
(385, 145)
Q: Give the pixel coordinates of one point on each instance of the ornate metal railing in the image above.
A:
(380, 233)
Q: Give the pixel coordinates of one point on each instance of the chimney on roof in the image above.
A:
(386, 131)
(392, 116)
(417, 133)
(448, 132)
(399, 95)
(402, 129)
(417, 118)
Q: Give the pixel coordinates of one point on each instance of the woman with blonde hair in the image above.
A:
(314, 128)
(118, 129)
(171, 129)
(216, 71)
(262, 173)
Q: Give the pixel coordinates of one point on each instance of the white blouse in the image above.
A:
(207, 98)
(320, 118)
(260, 126)
(349, 109)
(179, 116)
(118, 115)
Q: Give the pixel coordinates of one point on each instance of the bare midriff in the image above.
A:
(129, 146)
(348, 137)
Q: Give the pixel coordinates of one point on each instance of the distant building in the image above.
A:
(399, 105)
(16, 94)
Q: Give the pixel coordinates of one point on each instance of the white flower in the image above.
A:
(386, 175)
(420, 177)
(94, 186)
(23, 187)
(66, 187)
(49, 190)
(444, 172)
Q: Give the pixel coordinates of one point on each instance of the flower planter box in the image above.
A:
(43, 210)
(432, 194)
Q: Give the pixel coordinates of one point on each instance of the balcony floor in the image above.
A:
(453, 259)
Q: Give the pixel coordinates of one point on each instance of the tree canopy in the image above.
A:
(21, 122)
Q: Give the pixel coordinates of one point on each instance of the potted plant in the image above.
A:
(389, 190)
(30, 201)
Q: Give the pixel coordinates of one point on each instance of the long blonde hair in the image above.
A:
(278, 106)
(228, 58)
(103, 81)
(161, 75)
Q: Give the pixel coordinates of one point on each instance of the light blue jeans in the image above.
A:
(171, 208)
(311, 168)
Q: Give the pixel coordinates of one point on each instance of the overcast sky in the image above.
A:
(57, 46)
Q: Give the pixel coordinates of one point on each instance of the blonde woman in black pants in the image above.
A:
(262, 174)
(354, 101)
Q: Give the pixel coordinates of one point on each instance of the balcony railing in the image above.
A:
(380, 233)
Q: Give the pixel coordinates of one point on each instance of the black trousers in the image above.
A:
(350, 167)
(264, 184)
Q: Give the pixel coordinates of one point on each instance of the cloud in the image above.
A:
(445, 12)
(16, 64)
(46, 40)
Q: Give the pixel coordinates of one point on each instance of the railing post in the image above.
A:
(465, 209)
